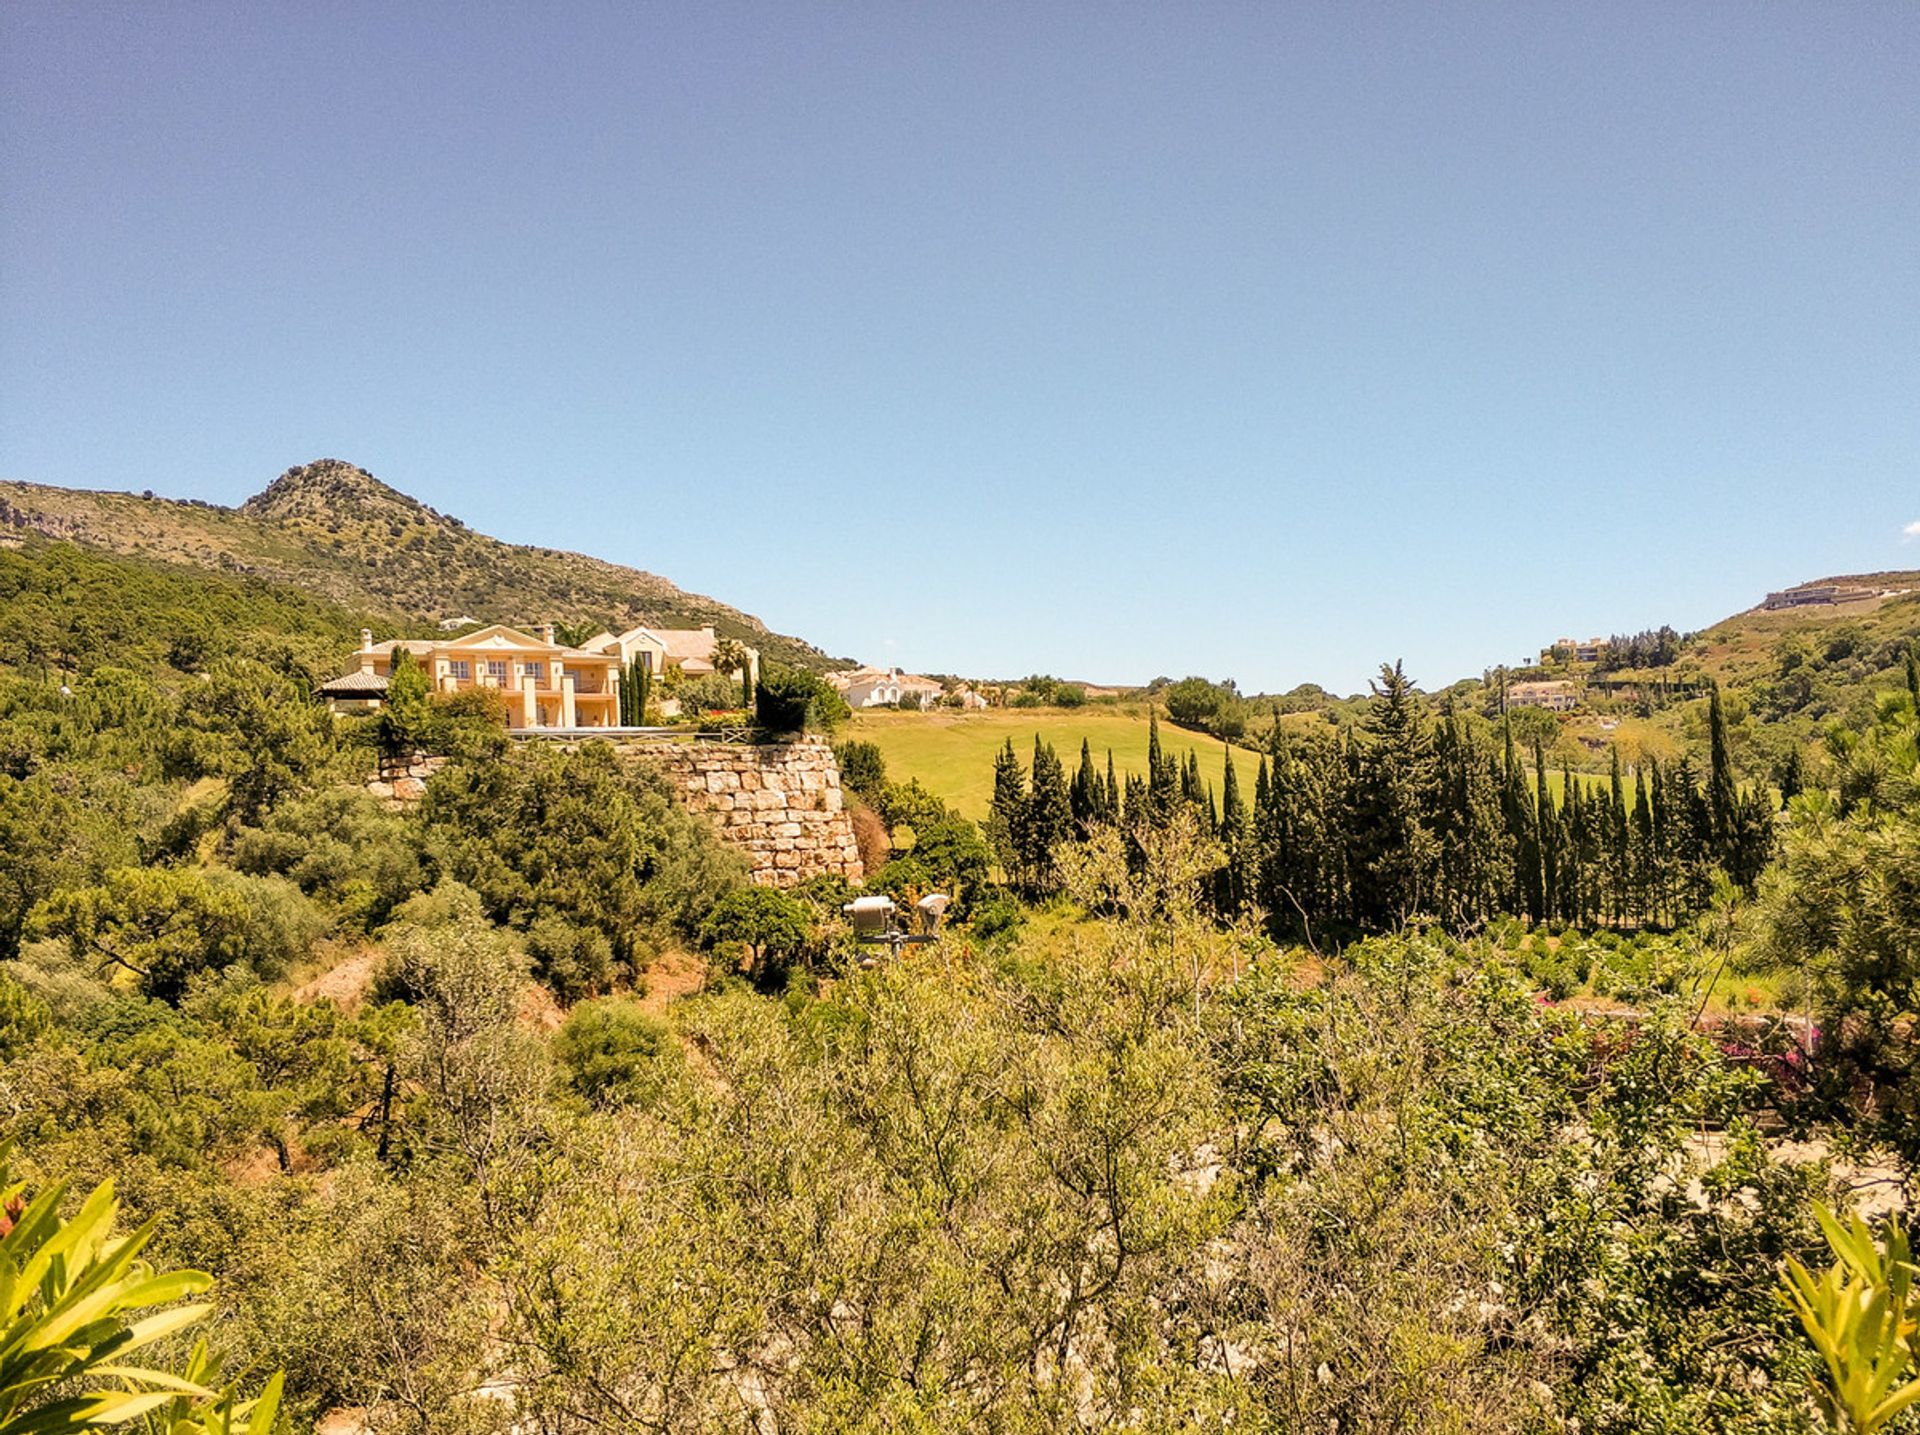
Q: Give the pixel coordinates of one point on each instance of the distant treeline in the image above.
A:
(1412, 817)
(1650, 648)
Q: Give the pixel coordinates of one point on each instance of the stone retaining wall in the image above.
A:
(778, 802)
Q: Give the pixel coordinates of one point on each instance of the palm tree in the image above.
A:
(730, 656)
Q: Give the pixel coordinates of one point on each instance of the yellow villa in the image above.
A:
(544, 684)
(665, 650)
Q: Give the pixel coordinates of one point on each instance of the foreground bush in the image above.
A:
(69, 1291)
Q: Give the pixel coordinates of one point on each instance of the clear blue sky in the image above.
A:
(1101, 339)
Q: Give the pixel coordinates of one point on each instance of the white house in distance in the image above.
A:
(883, 687)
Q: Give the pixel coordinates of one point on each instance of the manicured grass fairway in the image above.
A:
(952, 753)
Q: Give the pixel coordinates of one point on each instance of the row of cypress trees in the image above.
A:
(634, 689)
(1415, 816)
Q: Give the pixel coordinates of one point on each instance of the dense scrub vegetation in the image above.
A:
(1108, 1157)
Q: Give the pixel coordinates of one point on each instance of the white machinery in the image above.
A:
(879, 922)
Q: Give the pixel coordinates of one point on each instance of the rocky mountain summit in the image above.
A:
(333, 529)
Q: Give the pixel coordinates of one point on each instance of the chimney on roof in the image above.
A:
(546, 632)
(366, 639)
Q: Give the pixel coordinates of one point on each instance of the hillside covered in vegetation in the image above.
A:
(337, 532)
(1375, 1077)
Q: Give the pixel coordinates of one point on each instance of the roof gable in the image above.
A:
(499, 635)
(640, 634)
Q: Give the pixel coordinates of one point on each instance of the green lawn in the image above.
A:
(952, 753)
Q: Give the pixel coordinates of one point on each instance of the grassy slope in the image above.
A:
(952, 753)
(333, 530)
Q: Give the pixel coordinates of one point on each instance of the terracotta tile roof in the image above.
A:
(353, 684)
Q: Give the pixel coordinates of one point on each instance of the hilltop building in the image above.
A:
(543, 684)
(1580, 650)
(1810, 595)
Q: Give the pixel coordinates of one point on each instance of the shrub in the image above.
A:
(573, 961)
(862, 768)
(996, 918)
(954, 856)
(615, 1054)
(792, 700)
(709, 693)
(587, 836)
(771, 925)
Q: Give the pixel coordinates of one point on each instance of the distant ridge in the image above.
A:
(335, 530)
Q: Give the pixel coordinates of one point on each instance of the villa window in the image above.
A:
(460, 669)
(536, 671)
(497, 669)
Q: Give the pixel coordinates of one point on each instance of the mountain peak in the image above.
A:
(332, 490)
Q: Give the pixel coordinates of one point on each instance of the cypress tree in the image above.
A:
(1112, 813)
(1643, 856)
(1547, 825)
(1084, 795)
(1722, 798)
(1616, 831)
(1007, 816)
(1394, 852)
(1233, 812)
(1193, 787)
(634, 691)
(1163, 776)
(1521, 828)
(1913, 679)
(1049, 819)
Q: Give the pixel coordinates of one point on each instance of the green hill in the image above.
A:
(336, 532)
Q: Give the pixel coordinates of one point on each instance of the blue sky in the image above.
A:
(1108, 340)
